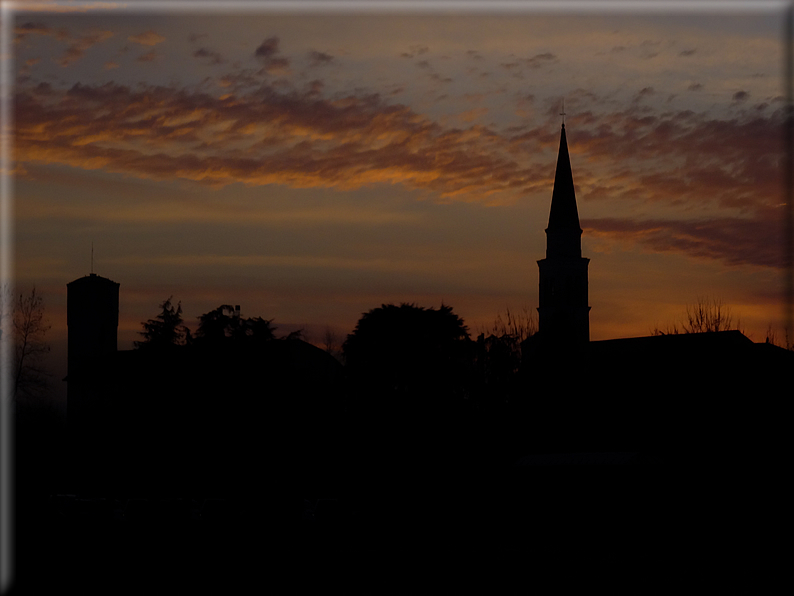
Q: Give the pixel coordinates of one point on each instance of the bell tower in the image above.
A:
(92, 318)
(563, 312)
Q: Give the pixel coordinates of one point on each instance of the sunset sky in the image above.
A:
(310, 166)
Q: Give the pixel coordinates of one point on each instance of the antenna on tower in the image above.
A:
(92, 257)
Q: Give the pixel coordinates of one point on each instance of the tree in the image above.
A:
(501, 343)
(707, 315)
(772, 338)
(517, 326)
(224, 323)
(331, 342)
(260, 329)
(30, 377)
(408, 350)
(499, 354)
(166, 329)
(216, 325)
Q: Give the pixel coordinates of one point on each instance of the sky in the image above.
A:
(312, 165)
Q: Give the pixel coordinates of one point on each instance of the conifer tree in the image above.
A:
(166, 329)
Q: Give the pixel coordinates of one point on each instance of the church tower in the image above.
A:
(563, 313)
(92, 319)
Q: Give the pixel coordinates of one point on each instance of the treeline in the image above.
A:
(414, 389)
(217, 327)
(397, 354)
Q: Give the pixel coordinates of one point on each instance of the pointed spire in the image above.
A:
(564, 214)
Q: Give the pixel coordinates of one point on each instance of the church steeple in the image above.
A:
(563, 313)
(563, 199)
(563, 236)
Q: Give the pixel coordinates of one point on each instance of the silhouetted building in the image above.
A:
(190, 417)
(681, 393)
(692, 392)
(563, 312)
(92, 318)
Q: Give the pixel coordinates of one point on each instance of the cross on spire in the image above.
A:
(563, 112)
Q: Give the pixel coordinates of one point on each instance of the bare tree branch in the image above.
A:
(518, 326)
(30, 327)
(707, 315)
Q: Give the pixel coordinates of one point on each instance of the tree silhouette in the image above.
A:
(30, 327)
(407, 350)
(499, 347)
(166, 329)
(772, 338)
(707, 315)
(224, 324)
(331, 342)
(498, 362)
(518, 326)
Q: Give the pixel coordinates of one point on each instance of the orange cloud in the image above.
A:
(263, 138)
(727, 172)
(78, 47)
(148, 38)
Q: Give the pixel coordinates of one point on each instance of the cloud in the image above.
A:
(26, 67)
(517, 65)
(267, 48)
(49, 6)
(736, 241)
(319, 58)
(21, 32)
(149, 38)
(648, 49)
(688, 158)
(276, 66)
(148, 57)
(268, 134)
(644, 92)
(268, 54)
(267, 137)
(474, 114)
(214, 57)
(415, 50)
(439, 78)
(78, 47)
(536, 61)
(741, 96)
(541, 60)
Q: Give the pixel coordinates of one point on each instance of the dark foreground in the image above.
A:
(600, 523)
